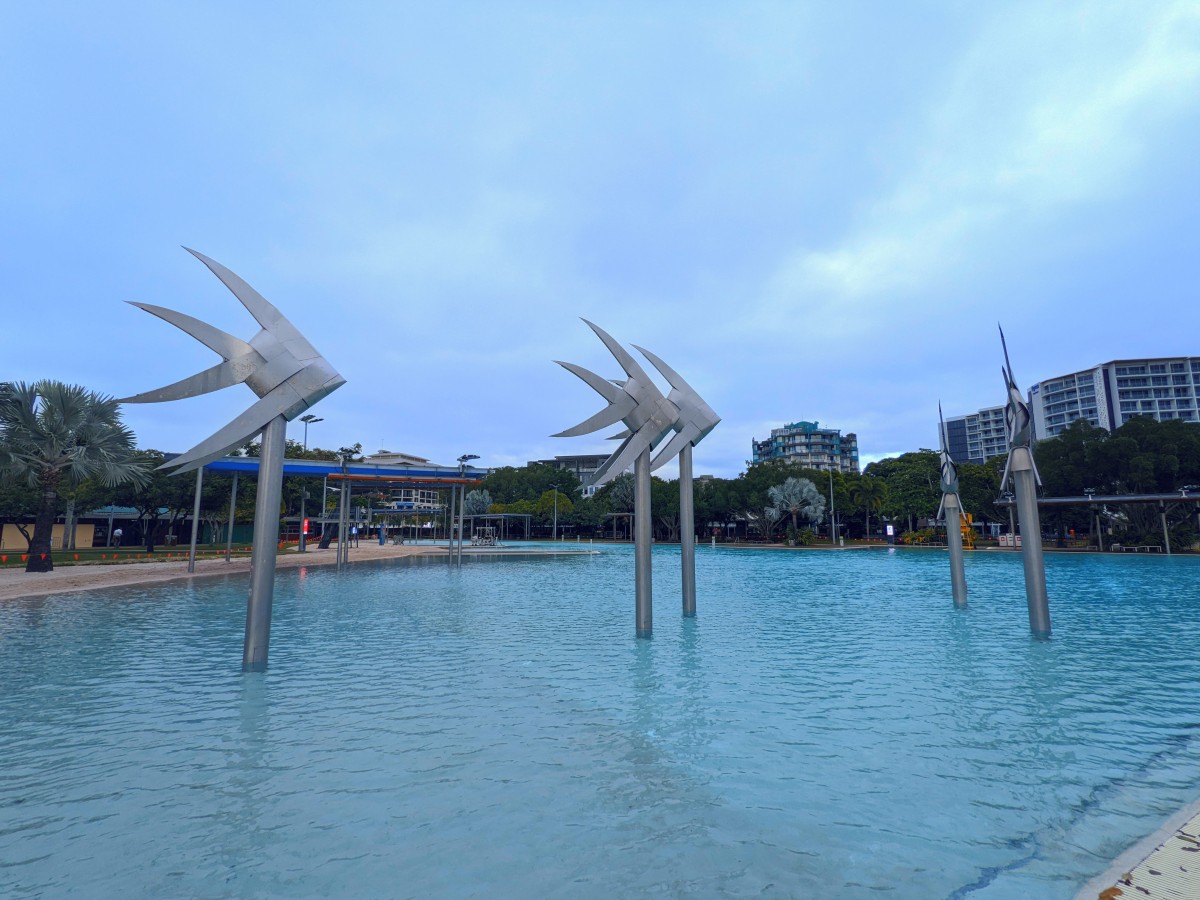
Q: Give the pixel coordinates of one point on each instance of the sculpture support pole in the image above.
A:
(687, 530)
(641, 550)
(1025, 489)
(958, 578)
(266, 539)
(195, 520)
(462, 520)
(232, 510)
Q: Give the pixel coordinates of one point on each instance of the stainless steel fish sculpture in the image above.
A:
(1016, 416)
(695, 420)
(948, 470)
(278, 364)
(636, 401)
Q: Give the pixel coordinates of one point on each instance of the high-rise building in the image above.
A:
(1112, 393)
(807, 444)
(977, 437)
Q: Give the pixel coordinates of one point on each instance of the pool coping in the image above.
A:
(1157, 865)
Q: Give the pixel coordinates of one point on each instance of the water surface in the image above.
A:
(828, 726)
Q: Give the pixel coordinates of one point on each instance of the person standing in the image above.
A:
(116, 537)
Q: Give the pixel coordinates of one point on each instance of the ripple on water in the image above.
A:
(828, 726)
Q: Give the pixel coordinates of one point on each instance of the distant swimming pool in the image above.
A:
(828, 726)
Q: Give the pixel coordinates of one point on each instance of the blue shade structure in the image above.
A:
(288, 376)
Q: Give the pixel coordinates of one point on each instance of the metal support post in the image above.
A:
(232, 511)
(302, 547)
(462, 508)
(687, 530)
(1025, 488)
(958, 578)
(343, 555)
(1162, 512)
(641, 551)
(266, 539)
(195, 520)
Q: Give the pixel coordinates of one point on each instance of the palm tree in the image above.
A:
(869, 494)
(798, 496)
(54, 434)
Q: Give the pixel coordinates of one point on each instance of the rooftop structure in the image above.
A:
(809, 445)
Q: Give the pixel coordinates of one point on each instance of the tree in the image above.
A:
(510, 484)
(798, 497)
(912, 482)
(869, 494)
(476, 503)
(54, 434)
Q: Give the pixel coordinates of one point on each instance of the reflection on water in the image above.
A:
(829, 725)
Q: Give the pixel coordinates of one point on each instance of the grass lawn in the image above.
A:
(121, 555)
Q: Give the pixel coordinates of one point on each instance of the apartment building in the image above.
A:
(809, 445)
(1112, 393)
(977, 437)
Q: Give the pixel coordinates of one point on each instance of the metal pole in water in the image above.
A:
(195, 520)
(1021, 461)
(687, 530)
(1162, 511)
(266, 538)
(641, 552)
(232, 511)
(958, 578)
(462, 504)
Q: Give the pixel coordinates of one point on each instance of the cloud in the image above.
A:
(1050, 107)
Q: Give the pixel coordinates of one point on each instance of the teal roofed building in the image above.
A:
(807, 444)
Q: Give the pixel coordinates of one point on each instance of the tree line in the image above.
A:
(64, 450)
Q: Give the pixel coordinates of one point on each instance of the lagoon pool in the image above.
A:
(828, 726)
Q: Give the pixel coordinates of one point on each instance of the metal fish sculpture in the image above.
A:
(636, 401)
(278, 364)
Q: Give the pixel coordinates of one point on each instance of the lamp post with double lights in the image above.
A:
(462, 499)
(309, 419)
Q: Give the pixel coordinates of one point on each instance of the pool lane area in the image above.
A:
(828, 725)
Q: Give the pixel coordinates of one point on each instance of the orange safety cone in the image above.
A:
(76, 557)
(3, 559)
(24, 557)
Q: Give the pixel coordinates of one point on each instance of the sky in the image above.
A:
(812, 211)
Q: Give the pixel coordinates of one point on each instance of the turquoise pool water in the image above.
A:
(829, 726)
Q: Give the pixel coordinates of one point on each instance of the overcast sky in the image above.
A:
(811, 210)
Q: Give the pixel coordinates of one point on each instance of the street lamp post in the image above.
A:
(832, 512)
(554, 532)
(309, 419)
(462, 499)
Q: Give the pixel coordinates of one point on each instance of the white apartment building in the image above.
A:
(1112, 393)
